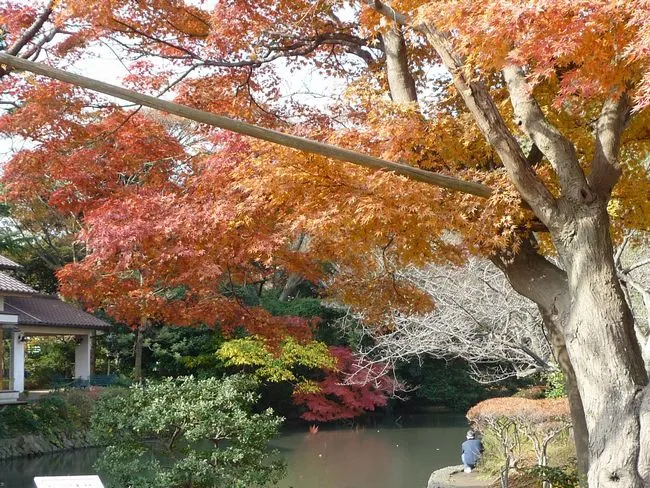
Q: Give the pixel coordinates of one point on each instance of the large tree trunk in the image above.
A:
(539, 280)
(604, 352)
(294, 280)
(580, 431)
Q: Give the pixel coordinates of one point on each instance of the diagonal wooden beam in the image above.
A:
(227, 123)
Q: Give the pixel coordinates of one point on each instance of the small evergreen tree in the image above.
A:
(187, 432)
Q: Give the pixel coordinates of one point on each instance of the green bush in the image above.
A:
(558, 476)
(60, 413)
(187, 432)
(298, 307)
(556, 385)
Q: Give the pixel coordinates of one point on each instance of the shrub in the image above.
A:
(532, 393)
(558, 477)
(187, 432)
(65, 412)
(556, 385)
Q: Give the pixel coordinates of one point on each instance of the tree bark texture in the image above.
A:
(539, 280)
(604, 352)
(400, 80)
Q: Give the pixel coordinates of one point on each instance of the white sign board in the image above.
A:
(68, 482)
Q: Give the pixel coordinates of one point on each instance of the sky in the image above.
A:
(102, 63)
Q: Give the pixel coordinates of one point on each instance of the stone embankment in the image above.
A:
(454, 477)
(35, 445)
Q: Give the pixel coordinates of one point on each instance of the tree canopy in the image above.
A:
(546, 102)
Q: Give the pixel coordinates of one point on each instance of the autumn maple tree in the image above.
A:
(337, 397)
(545, 102)
(337, 385)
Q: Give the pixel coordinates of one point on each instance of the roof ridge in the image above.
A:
(6, 263)
(11, 284)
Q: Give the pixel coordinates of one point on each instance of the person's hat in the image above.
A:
(470, 434)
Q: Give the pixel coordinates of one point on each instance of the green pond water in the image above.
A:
(384, 456)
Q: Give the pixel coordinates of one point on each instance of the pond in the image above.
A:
(384, 456)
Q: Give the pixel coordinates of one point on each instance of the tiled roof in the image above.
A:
(50, 311)
(12, 285)
(6, 263)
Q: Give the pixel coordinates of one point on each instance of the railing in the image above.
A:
(62, 383)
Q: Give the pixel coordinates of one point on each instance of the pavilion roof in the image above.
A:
(9, 284)
(50, 311)
(6, 263)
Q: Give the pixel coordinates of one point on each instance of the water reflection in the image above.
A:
(370, 457)
(383, 457)
(20, 472)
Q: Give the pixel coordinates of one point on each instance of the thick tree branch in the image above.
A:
(400, 80)
(558, 149)
(481, 105)
(388, 11)
(538, 279)
(34, 51)
(287, 140)
(30, 33)
(605, 168)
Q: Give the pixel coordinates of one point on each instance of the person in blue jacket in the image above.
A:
(471, 451)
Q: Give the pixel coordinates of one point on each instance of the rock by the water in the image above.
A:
(455, 477)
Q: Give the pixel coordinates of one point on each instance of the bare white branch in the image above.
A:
(478, 317)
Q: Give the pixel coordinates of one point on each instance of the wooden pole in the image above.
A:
(287, 140)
